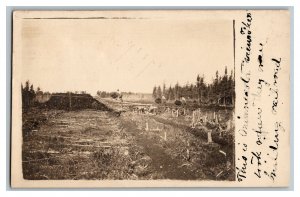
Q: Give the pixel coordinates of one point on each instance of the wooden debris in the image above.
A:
(147, 127)
(209, 138)
(185, 164)
(222, 152)
(219, 174)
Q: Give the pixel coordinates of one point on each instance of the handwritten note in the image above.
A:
(262, 103)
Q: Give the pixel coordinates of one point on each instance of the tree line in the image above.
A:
(28, 95)
(103, 94)
(220, 91)
(31, 96)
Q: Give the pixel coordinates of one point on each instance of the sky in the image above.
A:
(126, 54)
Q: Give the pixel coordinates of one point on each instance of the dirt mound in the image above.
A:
(71, 101)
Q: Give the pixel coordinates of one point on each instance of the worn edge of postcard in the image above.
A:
(262, 108)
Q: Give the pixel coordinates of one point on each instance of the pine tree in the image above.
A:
(177, 91)
(158, 92)
(216, 87)
(28, 95)
(164, 90)
(221, 90)
(171, 93)
(154, 94)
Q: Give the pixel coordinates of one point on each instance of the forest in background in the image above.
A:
(220, 91)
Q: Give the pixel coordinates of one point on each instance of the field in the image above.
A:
(94, 144)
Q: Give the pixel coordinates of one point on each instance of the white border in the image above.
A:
(4, 190)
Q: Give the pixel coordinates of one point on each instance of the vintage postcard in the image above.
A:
(160, 98)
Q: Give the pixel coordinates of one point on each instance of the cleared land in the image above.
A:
(95, 144)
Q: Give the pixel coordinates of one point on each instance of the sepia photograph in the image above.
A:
(116, 103)
(133, 95)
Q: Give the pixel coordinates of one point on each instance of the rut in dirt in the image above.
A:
(162, 163)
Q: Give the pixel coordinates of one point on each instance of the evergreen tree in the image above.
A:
(221, 90)
(171, 93)
(177, 91)
(154, 94)
(164, 90)
(28, 95)
(158, 92)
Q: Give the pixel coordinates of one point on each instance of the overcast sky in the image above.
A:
(126, 54)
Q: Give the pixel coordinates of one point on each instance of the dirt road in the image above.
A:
(162, 163)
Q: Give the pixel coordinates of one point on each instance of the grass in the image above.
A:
(93, 145)
(86, 147)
